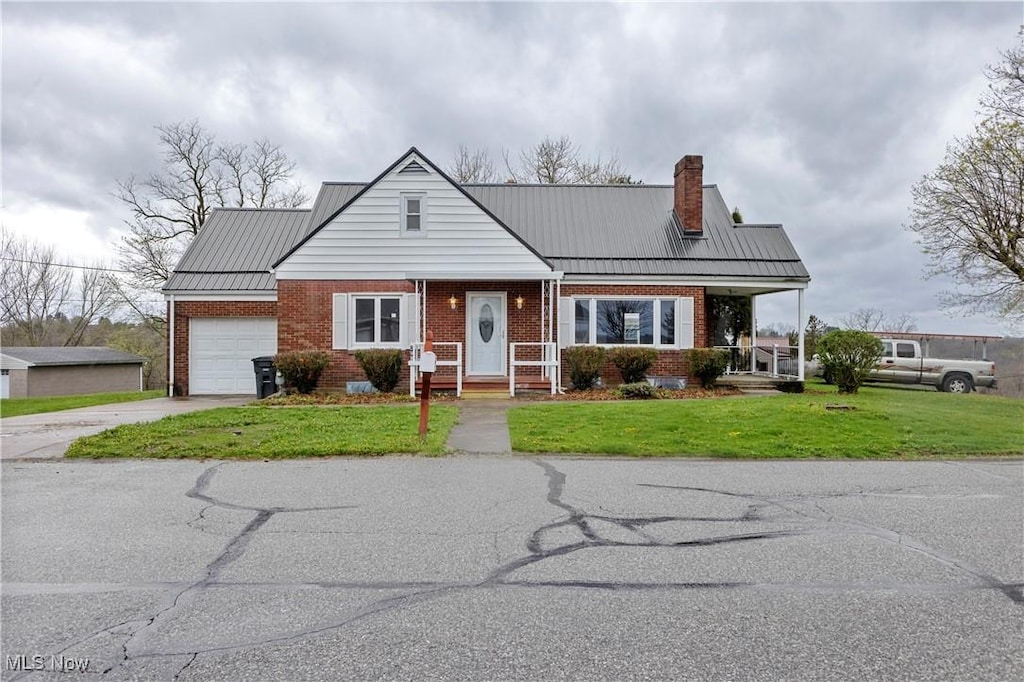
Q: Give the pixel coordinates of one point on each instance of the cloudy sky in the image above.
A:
(816, 115)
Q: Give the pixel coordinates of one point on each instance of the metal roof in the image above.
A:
(235, 249)
(69, 355)
(581, 229)
(632, 230)
(332, 196)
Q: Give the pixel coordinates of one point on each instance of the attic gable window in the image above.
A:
(414, 214)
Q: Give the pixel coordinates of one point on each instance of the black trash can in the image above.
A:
(266, 376)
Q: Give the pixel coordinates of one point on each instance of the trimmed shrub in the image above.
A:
(640, 389)
(707, 364)
(847, 356)
(383, 367)
(301, 369)
(585, 363)
(633, 362)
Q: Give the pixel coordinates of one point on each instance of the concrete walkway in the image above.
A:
(482, 428)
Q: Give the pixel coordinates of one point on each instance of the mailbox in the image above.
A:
(428, 361)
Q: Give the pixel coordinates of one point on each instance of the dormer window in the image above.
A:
(414, 214)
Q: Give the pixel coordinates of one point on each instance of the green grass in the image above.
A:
(15, 407)
(884, 424)
(274, 433)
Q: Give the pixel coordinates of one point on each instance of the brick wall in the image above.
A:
(306, 322)
(304, 309)
(306, 318)
(670, 362)
(185, 310)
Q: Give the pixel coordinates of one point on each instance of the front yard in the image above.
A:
(274, 433)
(877, 423)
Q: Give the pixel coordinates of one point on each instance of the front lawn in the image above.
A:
(15, 407)
(879, 423)
(274, 433)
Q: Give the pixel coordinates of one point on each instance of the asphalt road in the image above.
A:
(513, 568)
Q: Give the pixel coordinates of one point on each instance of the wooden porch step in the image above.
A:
(476, 394)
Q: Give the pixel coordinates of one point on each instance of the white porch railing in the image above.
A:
(444, 359)
(777, 361)
(548, 362)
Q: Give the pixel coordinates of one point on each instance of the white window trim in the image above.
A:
(592, 320)
(404, 205)
(352, 343)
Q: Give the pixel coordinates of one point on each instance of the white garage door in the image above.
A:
(5, 383)
(221, 350)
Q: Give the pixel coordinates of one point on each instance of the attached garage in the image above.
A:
(221, 350)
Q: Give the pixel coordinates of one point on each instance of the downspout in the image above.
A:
(170, 350)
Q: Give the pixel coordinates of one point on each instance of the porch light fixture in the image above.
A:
(519, 302)
(453, 302)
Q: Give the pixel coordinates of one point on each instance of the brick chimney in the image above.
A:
(689, 199)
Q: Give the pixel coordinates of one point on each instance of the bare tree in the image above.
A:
(968, 213)
(471, 167)
(561, 161)
(1005, 96)
(46, 302)
(169, 208)
(877, 320)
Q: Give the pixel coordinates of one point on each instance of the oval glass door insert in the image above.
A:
(486, 322)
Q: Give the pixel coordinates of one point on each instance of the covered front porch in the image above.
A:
(756, 361)
(490, 337)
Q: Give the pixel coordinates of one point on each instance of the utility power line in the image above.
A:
(64, 265)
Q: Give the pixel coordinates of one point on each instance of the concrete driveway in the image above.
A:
(512, 568)
(48, 435)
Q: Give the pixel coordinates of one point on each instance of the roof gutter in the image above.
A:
(170, 347)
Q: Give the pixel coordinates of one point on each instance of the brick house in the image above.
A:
(506, 276)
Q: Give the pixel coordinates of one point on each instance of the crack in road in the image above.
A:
(231, 552)
(589, 534)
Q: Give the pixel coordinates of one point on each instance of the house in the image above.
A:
(36, 371)
(506, 276)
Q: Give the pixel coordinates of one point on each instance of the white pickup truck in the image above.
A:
(903, 363)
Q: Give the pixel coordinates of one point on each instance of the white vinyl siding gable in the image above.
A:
(366, 241)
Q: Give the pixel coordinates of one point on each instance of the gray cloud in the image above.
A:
(820, 116)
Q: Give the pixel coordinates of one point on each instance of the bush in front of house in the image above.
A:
(585, 363)
(301, 369)
(707, 364)
(848, 355)
(383, 367)
(641, 389)
(633, 362)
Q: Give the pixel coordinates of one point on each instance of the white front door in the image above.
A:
(485, 332)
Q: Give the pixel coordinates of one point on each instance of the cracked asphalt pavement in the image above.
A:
(512, 568)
